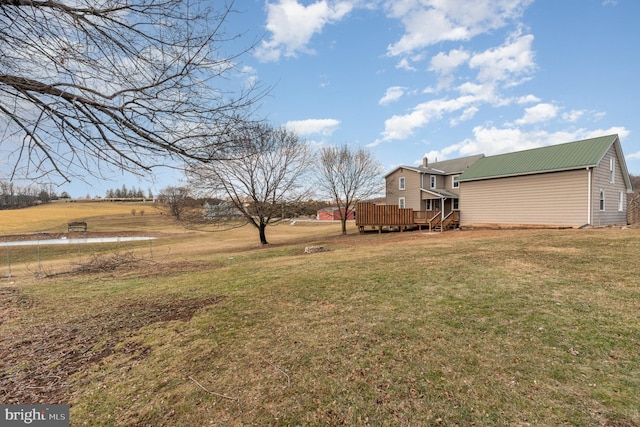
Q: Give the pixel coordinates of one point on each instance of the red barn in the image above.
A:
(333, 214)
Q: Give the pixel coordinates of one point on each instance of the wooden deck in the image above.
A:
(391, 216)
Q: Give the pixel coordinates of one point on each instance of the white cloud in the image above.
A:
(538, 113)
(633, 156)
(307, 127)
(485, 92)
(428, 22)
(447, 62)
(392, 94)
(497, 67)
(528, 99)
(404, 64)
(467, 114)
(292, 25)
(573, 116)
(504, 63)
(402, 126)
(251, 75)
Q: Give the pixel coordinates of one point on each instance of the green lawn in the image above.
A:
(535, 327)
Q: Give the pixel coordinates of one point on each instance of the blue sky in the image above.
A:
(441, 78)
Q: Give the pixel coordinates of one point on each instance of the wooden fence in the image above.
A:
(372, 215)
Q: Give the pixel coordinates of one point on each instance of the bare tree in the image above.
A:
(347, 176)
(261, 175)
(635, 183)
(176, 199)
(86, 84)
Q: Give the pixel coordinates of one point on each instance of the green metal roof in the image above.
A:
(571, 155)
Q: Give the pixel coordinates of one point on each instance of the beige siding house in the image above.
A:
(568, 185)
(429, 187)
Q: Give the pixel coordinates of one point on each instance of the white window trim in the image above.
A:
(454, 183)
(432, 181)
(621, 201)
(402, 203)
(601, 201)
(402, 183)
(612, 170)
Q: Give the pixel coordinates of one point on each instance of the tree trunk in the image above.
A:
(344, 224)
(263, 236)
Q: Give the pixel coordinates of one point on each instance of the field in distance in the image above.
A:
(100, 216)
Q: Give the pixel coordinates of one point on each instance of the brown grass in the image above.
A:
(535, 327)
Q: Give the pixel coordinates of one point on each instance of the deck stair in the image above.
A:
(452, 220)
(435, 221)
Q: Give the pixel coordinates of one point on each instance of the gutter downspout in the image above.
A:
(589, 196)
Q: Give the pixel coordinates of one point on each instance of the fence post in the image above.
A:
(8, 262)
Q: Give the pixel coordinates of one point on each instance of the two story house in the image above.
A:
(429, 187)
(565, 185)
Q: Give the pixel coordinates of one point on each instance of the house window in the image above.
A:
(433, 204)
(401, 183)
(612, 170)
(456, 204)
(620, 201)
(401, 203)
(454, 181)
(601, 200)
(432, 181)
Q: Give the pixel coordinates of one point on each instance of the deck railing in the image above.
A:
(382, 215)
(373, 215)
(422, 217)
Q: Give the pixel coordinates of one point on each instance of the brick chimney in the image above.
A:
(425, 162)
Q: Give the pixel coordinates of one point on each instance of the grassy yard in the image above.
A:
(535, 327)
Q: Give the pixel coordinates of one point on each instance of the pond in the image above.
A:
(64, 241)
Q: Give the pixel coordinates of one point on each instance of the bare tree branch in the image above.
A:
(95, 83)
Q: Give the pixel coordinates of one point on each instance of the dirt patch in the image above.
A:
(127, 264)
(36, 365)
(12, 301)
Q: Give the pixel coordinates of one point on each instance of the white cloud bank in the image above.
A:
(502, 66)
(428, 22)
(292, 25)
(392, 94)
(634, 156)
(324, 127)
(538, 113)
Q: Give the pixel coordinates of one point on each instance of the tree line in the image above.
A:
(13, 196)
(128, 193)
